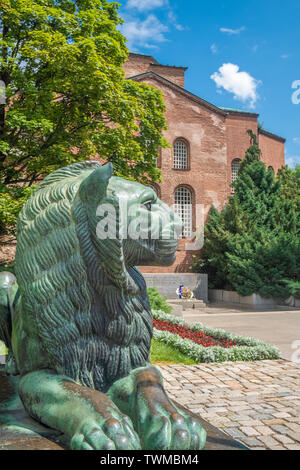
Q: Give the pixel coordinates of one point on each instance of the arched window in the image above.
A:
(235, 165)
(271, 168)
(180, 155)
(184, 209)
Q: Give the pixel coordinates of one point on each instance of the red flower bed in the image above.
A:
(196, 336)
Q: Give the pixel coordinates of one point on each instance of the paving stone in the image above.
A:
(280, 429)
(281, 415)
(268, 441)
(264, 430)
(293, 446)
(250, 423)
(294, 435)
(235, 433)
(251, 442)
(277, 448)
(249, 431)
(262, 397)
(283, 439)
(270, 422)
(260, 416)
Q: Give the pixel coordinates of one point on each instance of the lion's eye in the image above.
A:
(148, 205)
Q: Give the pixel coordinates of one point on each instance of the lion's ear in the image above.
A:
(94, 187)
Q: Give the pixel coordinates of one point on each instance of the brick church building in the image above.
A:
(208, 143)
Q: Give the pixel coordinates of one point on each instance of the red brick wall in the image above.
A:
(173, 74)
(205, 132)
(238, 140)
(137, 65)
(214, 140)
(272, 151)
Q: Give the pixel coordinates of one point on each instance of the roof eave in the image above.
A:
(186, 93)
(237, 112)
(270, 134)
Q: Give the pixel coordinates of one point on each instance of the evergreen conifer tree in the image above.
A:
(252, 245)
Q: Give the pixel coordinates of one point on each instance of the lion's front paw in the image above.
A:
(175, 431)
(113, 434)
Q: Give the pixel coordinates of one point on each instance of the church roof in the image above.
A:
(224, 111)
(154, 61)
(239, 111)
(183, 91)
(270, 134)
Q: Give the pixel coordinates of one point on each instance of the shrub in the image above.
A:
(157, 301)
(11, 202)
(252, 246)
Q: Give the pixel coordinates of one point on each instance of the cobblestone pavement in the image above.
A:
(257, 403)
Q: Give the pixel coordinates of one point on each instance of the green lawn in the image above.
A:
(161, 352)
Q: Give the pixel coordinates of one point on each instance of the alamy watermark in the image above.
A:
(296, 93)
(153, 222)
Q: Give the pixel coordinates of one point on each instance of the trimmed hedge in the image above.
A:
(249, 349)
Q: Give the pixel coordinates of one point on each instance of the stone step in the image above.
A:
(180, 305)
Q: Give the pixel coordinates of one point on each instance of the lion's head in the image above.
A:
(83, 302)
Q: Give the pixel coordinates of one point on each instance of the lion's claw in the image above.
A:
(175, 432)
(112, 435)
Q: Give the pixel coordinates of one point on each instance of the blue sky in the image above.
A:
(240, 54)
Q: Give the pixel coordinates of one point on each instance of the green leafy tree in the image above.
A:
(67, 98)
(253, 245)
(12, 200)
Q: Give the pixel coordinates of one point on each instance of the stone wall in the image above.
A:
(167, 284)
(254, 300)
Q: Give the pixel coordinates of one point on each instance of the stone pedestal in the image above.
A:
(19, 432)
(179, 305)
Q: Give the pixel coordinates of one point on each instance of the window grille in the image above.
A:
(180, 155)
(235, 165)
(184, 209)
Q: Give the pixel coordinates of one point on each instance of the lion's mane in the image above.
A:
(87, 328)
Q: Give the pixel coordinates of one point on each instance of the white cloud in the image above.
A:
(241, 84)
(285, 56)
(255, 48)
(214, 48)
(173, 19)
(144, 5)
(144, 32)
(293, 161)
(232, 31)
(296, 140)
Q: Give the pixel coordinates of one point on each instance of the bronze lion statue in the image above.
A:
(82, 325)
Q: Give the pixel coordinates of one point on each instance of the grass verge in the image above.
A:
(245, 348)
(161, 352)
